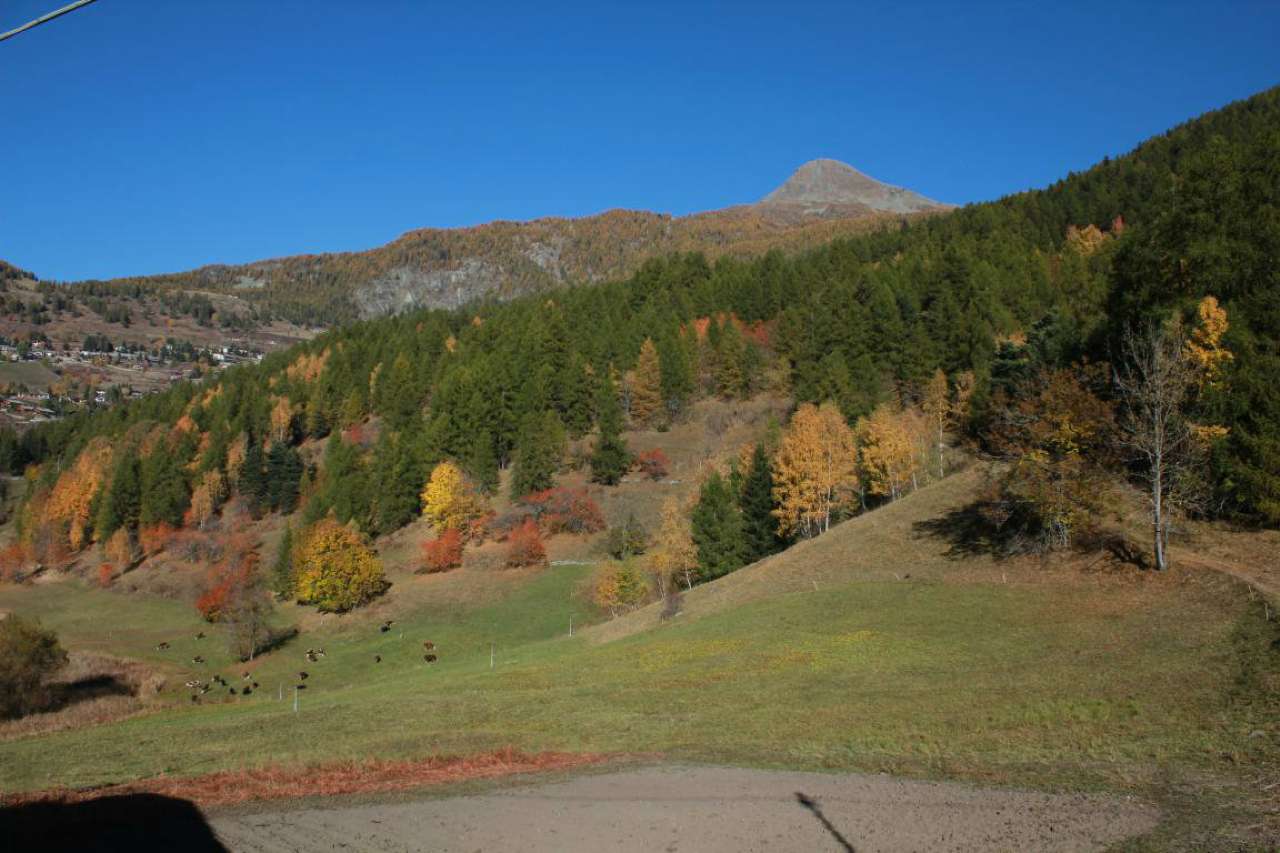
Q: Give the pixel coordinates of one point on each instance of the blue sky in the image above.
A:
(142, 137)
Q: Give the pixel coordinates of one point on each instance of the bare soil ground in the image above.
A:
(707, 809)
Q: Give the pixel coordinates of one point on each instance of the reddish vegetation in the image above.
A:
(759, 333)
(525, 546)
(155, 538)
(565, 511)
(278, 783)
(444, 552)
(653, 463)
(105, 571)
(226, 579)
(12, 559)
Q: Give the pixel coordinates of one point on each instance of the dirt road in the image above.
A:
(706, 809)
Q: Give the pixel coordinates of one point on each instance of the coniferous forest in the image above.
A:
(1002, 291)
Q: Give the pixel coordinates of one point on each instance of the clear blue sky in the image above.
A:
(140, 136)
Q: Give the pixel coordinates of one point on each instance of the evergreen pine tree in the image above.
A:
(282, 568)
(538, 455)
(717, 529)
(253, 484)
(610, 459)
(759, 526)
(164, 488)
(121, 505)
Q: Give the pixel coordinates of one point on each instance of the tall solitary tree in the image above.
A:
(610, 459)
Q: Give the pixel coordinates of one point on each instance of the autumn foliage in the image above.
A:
(444, 552)
(450, 499)
(334, 568)
(524, 547)
(653, 463)
(814, 470)
(563, 510)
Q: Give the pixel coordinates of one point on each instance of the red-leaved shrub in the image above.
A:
(564, 510)
(444, 552)
(653, 463)
(525, 546)
(105, 571)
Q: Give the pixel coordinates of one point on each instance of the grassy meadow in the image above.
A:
(825, 657)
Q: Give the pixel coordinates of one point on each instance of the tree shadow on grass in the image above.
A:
(132, 822)
(971, 531)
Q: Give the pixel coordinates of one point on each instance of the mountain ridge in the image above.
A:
(450, 267)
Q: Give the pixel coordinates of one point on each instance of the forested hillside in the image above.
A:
(998, 296)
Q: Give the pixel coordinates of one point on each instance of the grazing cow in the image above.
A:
(200, 636)
(299, 687)
(245, 692)
(255, 685)
(160, 647)
(197, 659)
(246, 676)
(319, 653)
(195, 699)
(231, 690)
(303, 676)
(429, 658)
(428, 645)
(385, 628)
(377, 658)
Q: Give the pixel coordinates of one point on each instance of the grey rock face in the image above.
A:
(820, 182)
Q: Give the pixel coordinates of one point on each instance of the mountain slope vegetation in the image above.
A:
(1026, 283)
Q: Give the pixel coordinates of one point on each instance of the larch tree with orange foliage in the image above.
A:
(674, 557)
(644, 385)
(814, 470)
(208, 496)
(888, 455)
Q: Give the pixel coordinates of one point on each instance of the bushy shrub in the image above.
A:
(627, 540)
(105, 572)
(444, 552)
(620, 587)
(653, 463)
(525, 546)
(564, 510)
(29, 655)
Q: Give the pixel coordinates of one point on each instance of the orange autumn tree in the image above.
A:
(71, 499)
(444, 552)
(208, 496)
(334, 568)
(674, 557)
(525, 546)
(814, 470)
(889, 456)
(645, 385)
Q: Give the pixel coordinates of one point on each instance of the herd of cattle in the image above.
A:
(201, 688)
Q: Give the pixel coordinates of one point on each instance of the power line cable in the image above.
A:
(56, 13)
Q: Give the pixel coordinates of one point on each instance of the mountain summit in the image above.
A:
(830, 182)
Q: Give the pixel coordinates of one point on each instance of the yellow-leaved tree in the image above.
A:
(1203, 349)
(449, 499)
(937, 409)
(888, 454)
(207, 496)
(674, 557)
(334, 569)
(814, 471)
(645, 385)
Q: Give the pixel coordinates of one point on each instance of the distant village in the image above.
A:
(101, 374)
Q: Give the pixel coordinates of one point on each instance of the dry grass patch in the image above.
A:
(323, 780)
